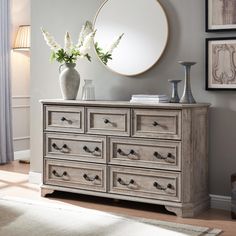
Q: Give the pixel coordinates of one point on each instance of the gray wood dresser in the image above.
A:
(146, 153)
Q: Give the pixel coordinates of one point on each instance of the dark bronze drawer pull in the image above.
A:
(63, 149)
(86, 149)
(132, 152)
(158, 186)
(90, 179)
(65, 119)
(54, 172)
(155, 124)
(106, 121)
(169, 158)
(122, 182)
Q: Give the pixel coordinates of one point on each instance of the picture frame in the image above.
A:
(220, 15)
(220, 57)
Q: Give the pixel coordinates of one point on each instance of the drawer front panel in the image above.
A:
(146, 153)
(156, 123)
(64, 118)
(145, 183)
(75, 147)
(108, 121)
(75, 175)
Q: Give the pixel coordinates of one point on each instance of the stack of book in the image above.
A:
(142, 98)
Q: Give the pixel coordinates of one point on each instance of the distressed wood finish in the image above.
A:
(145, 183)
(164, 163)
(156, 123)
(75, 175)
(64, 118)
(108, 121)
(158, 154)
(75, 147)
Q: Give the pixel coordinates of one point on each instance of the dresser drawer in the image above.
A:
(145, 153)
(75, 147)
(64, 118)
(156, 123)
(108, 121)
(145, 183)
(75, 175)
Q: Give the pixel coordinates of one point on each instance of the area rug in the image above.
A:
(22, 217)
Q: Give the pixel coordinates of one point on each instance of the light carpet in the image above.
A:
(22, 217)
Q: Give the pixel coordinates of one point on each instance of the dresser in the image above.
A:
(145, 153)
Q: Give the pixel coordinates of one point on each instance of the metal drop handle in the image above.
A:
(132, 152)
(90, 179)
(54, 172)
(160, 187)
(65, 119)
(159, 156)
(54, 145)
(122, 182)
(86, 149)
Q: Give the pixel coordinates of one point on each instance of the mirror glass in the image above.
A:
(143, 28)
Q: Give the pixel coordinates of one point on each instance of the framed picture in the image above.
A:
(221, 63)
(220, 15)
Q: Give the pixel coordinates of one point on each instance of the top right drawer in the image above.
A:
(156, 123)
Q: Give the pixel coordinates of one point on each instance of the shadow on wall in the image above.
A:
(222, 148)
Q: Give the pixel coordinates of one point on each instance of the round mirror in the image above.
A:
(131, 35)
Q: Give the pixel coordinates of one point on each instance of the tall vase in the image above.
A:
(69, 81)
(187, 96)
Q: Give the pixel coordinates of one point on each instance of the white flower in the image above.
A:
(86, 30)
(87, 43)
(51, 42)
(111, 48)
(68, 43)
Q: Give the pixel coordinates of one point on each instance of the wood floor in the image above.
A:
(14, 182)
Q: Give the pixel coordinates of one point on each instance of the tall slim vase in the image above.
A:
(187, 96)
(69, 81)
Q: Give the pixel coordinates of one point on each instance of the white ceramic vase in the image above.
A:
(69, 81)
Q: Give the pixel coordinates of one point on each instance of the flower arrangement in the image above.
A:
(106, 55)
(71, 52)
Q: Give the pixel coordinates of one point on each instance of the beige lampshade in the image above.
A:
(22, 41)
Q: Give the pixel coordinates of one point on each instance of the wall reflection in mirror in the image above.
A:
(131, 35)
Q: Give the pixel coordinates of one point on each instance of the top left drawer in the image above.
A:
(64, 118)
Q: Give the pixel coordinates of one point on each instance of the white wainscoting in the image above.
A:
(21, 122)
(22, 155)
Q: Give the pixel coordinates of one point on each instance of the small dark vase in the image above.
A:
(175, 95)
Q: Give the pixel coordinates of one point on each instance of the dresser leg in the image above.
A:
(177, 210)
(45, 191)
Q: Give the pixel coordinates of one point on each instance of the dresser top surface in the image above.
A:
(122, 104)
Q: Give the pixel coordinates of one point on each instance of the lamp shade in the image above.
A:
(22, 41)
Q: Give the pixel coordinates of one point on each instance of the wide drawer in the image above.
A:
(161, 185)
(145, 153)
(64, 118)
(156, 123)
(108, 121)
(75, 175)
(75, 147)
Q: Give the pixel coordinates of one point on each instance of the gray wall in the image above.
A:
(186, 18)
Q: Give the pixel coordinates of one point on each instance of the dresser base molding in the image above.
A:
(181, 210)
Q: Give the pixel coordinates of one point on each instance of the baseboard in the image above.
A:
(24, 154)
(35, 177)
(220, 202)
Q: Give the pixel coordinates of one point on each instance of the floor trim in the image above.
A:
(217, 201)
(220, 202)
(24, 154)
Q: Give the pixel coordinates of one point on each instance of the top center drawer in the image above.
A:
(108, 121)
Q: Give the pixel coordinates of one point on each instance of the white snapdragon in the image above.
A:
(51, 42)
(87, 43)
(86, 30)
(68, 43)
(111, 48)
